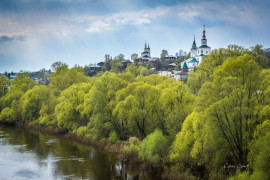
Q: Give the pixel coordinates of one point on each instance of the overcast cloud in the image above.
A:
(34, 34)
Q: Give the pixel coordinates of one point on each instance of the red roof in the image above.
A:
(182, 73)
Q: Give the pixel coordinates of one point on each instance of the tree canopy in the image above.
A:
(219, 116)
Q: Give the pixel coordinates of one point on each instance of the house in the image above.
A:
(183, 74)
(125, 63)
(172, 66)
(164, 73)
(95, 68)
(180, 76)
(169, 58)
(191, 63)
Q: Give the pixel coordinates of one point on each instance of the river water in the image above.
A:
(29, 154)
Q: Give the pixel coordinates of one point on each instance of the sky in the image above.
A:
(36, 33)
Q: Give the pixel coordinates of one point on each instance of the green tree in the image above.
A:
(70, 107)
(138, 109)
(177, 103)
(233, 102)
(187, 56)
(195, 81)
(10, 101)
(134, 56)
(58, 66)
(79, 68)
(182, 146)
(153, 147)
(115, 66)
(4, 84)
(178, 68)
(144, 71)
(32, 101)
(64, 78)
(258, 55)
(259, 155)
(163, 54)
(132, 69)
(99, 104)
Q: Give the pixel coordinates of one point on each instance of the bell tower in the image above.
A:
(204, 40)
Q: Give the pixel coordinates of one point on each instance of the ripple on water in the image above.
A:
(26, 173)
(75, 158)
(51, 141)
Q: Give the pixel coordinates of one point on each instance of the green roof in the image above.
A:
(190, 59)
(204, 46)
(185, 66)
(193, 60)
(194, 45)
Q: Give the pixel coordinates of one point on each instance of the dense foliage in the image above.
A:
(218, 121)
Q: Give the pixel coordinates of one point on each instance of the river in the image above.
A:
(30, 154)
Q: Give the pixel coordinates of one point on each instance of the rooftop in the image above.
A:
(182, 73)
(204, 46)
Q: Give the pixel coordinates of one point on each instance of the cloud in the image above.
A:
(112, 21)
(238, 13)
(5, 38)
(60, 24)
(62, 1)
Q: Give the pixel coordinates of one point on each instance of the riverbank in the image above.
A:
(115, 149)
(28, 153)
(161, 171)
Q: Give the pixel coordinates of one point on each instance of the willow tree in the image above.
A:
(32, 101)
(99, 104)
(229, 108)
(70, 107)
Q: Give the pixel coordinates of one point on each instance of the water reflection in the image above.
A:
(27, 154)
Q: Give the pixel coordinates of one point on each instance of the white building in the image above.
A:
(164, 73)
(145, 55)
(197, 53)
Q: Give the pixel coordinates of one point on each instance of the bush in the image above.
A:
(133, 146)
(82, 131)
(153, 147)
(8, 114)
(134, 140)
(113, 137)
(131, 149)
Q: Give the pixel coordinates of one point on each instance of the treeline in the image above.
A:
(217, 123)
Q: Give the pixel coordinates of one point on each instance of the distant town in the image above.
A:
(176, 66)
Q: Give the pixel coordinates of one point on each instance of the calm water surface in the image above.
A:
(28, 154)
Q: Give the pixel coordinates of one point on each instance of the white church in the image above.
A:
(197, 53)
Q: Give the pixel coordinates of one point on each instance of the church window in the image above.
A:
(201, 51)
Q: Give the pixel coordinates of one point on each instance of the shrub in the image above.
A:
(8, 115)
(134, 140)
(82, 131)
(153, 147)
(131, 149)
(133, 146)
(113, 137)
